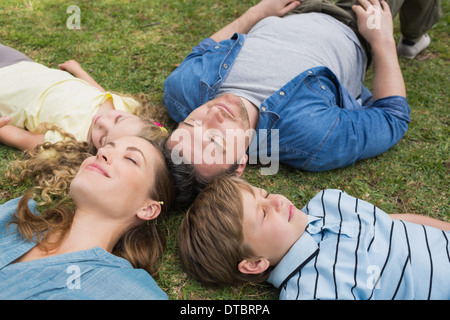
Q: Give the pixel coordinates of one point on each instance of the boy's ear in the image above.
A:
(150, 210)
(254, 266)
(242, 165)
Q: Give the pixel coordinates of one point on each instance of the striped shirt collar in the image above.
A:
(303, 250)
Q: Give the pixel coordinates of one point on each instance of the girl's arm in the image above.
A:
(424, 220)
(74, 68)
(20, 138)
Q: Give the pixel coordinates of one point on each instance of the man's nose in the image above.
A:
(215, 115)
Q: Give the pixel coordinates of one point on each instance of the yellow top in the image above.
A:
(33, 94)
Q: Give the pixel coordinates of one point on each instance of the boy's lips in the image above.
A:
(98, 168)
(291, 211)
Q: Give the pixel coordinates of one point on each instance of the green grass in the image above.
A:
(132, 46)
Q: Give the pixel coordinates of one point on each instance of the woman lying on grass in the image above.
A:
(98, 250)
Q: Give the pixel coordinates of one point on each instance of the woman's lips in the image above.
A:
(98, 168)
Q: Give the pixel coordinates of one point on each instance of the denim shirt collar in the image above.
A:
(237, 41)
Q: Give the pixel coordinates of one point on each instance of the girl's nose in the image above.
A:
(104, 122)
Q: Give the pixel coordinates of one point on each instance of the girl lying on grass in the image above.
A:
(65, 112)
(37, 103)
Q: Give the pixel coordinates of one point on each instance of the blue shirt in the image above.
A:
(320, 126)
(88, 274)
(353, 250)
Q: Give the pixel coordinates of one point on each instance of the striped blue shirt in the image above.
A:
(353, 250)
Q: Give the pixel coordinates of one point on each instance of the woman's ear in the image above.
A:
(150, 210)
(254, 266)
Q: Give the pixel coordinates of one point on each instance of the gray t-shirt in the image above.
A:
(278, 49)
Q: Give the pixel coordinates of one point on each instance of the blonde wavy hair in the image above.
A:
(52, 166)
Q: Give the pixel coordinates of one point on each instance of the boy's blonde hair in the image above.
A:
(211, 238)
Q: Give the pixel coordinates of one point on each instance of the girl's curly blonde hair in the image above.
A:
(52, 166)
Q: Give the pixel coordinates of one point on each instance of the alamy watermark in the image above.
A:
(225, 149)
(374, 21)
(74, 280)
(74, 21)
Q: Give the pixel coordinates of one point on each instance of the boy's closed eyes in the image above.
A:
(271, 225)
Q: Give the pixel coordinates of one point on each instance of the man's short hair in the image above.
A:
(188, 180)
(211, 238)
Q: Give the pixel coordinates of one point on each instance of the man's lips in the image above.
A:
(227, 109)
(97, 168)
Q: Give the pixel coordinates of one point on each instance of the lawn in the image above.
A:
(132, 46)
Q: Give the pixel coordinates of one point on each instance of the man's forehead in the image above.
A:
(183, 141)
(185, 149)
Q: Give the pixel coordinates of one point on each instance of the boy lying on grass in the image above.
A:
(336, 247)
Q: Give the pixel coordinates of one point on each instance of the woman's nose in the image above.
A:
(104, 155)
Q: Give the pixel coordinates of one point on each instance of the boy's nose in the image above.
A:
(277, 203)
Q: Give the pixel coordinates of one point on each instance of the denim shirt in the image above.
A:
(89, 274)
(318, 124)
(352, 250)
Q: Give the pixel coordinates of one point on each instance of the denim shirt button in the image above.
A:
(281, 93)
(263, 108)
(323, 88)
(309, 71)
(216, 47)
(225, 65)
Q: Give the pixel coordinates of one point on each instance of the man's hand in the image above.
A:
(279, 8)
(375, 21)
(375, 25)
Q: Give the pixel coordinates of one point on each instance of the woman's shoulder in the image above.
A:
(8, 209)
(123, 281)
(130, 283)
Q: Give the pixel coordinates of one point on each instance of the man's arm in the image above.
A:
(253, 15)
(74, 68)
(376, 26)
